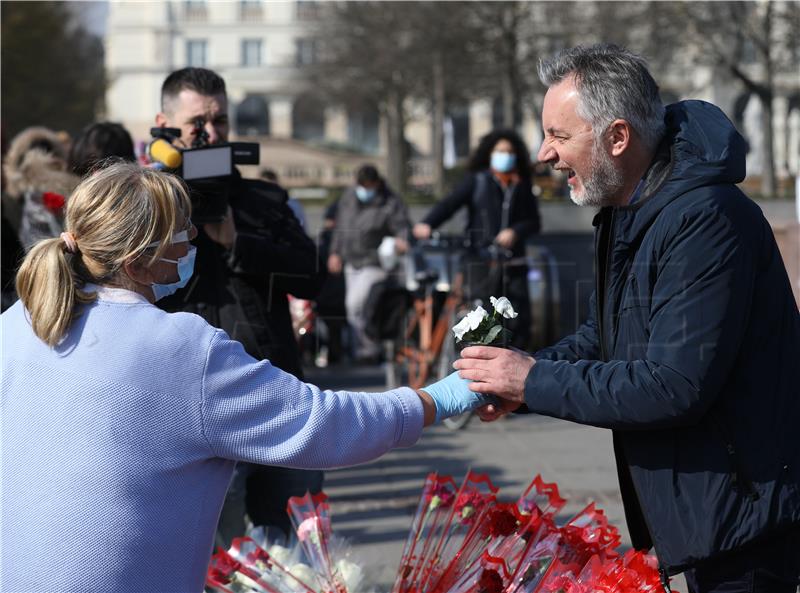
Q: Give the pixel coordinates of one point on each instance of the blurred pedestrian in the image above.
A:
(122, 423)
(37, 184)
(502, 210)
(366, 213)
(100, 144)
(690, 352)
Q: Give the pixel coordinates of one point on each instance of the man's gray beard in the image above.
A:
(604, 181)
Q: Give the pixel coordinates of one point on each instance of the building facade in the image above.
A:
(260, 48)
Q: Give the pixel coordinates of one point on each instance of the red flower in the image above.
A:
(502, 522)
(467, 506)
(222, 567)
(490, 581)
(53, 202)
(440, 495)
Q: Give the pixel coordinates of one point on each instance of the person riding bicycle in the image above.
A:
(502, 211)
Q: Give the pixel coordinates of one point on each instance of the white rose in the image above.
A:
(280, 554)
(305, 573)
(475, 317)
(503, 307)
(351, 574)
(471, 321)
(460, 328)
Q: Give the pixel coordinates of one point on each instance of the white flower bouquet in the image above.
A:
(479, 327)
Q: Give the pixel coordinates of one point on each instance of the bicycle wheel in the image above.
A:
(395, 372)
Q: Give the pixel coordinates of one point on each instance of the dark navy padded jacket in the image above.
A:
(691, 353)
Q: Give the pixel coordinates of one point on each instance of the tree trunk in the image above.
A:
(769, 185)
(396, 169)
(507, 83)
(438, 124)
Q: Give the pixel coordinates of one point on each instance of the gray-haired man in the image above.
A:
(690, 353)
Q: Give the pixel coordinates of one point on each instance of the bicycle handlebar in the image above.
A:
(457, 243)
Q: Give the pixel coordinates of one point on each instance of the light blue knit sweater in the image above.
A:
(118, 445)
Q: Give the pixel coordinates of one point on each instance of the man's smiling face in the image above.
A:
(570, 146)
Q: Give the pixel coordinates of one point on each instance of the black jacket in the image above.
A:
(691, 354)
(244, 291)
(490, 209)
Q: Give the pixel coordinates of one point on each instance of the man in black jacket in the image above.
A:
(690, 353)
(246, 265)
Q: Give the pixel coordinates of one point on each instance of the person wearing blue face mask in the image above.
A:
(185, 264)
(122, 423)
(501, 209)
(367, 212)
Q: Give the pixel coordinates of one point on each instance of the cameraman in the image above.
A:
(246, 265)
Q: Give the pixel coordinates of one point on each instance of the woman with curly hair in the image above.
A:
(501, 210)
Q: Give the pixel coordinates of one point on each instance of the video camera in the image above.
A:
(206, 169)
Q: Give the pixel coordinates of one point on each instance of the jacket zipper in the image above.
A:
(602, 276)
(662, 571)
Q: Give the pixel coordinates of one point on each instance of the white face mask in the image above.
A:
(185, 271)
(185, 265)
(364, 194)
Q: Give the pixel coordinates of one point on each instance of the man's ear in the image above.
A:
(161, 119)
(620, 136)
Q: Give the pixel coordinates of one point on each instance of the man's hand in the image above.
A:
(421, 231)
(491, 412)
(496, 371)
(223, 232)
(334, 264)
(506, 238)
(400, 245)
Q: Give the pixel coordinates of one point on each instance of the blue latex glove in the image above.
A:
(452, 397)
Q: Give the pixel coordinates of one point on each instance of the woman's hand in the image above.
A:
(452, 396)
(506, 238)
(334, 264)
(421, 231)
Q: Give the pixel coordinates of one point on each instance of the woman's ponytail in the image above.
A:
(46, 286)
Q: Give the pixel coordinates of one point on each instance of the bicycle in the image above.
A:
(435, 275)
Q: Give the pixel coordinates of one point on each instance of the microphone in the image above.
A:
(163, 152)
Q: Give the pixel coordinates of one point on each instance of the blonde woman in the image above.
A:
(121, 423)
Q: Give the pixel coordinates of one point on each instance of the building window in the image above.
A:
(252, 116)
(308, 119)
(251, 10)
(251, 53)
(362, 128)
(196, 52)
(306, 51)
(195, 10)
(307, 10)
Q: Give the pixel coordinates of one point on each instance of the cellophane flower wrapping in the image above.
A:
(462, 540)
(254, 564)
(310, 516)
(444, 518)
(246, 566)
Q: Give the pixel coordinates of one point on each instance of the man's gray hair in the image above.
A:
(612, 83)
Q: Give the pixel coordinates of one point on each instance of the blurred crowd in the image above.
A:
(258, 274)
